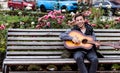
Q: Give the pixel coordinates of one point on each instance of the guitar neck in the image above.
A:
(106, 44)
(102, 43)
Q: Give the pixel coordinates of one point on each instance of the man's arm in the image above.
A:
(64, 36)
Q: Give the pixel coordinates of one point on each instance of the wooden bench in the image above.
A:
(44, 47)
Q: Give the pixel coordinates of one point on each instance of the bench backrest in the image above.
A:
(45, 43)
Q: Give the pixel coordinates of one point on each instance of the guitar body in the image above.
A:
(81, 38)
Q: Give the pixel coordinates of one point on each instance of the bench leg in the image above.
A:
(5, 69)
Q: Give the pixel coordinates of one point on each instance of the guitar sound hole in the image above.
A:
(84, 41)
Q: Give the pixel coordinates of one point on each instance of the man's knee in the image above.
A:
(94, 60)
(78, 56)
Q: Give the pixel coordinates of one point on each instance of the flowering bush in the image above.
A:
(2, 37)
(99, 20)
(96, 17)
(54, 19)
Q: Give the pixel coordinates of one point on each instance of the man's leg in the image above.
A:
(92, 57)
(79, 57)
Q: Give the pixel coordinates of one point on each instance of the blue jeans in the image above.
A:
(91, 56)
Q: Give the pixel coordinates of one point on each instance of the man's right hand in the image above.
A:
(75, 40)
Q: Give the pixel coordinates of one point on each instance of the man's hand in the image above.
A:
(97, 44)
(75, 40)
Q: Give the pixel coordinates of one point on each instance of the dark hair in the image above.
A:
(79, 14)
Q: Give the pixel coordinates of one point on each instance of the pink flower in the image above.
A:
(38, 26)
(52, 19)
(62, 17)
(39, 19)
(2, 27)
(117, 19)
(87, 13)
(51, 12)
(57, 12)
(53, 16)
(48, 24)
(59, 21)
(107, 26)
(46, 17)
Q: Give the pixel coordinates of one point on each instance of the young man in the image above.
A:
(80, 53)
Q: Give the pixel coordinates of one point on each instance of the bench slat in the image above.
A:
(37, 30)
(110, 52)
(33, 38)
(33, 33)
(34, 53)
(53, 57)
(53, 52)
(51, 47)
(112, 56)
(61, 59)
(42, 42)
(33, 57)
(34, 43)
(58, 61)
(56, 38)
(58, 33)
(35, 47)
(97, 30)
(107, 34)
(108, 38)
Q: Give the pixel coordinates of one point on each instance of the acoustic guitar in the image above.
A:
(85, 42)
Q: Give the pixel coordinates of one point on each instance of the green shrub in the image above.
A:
(34, 68)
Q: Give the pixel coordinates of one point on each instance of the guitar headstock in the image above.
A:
(116, 45)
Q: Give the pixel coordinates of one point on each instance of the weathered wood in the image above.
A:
(34, 43)
(56, 61)
(35, 47)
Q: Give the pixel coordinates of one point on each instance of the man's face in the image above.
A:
(80, 21)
